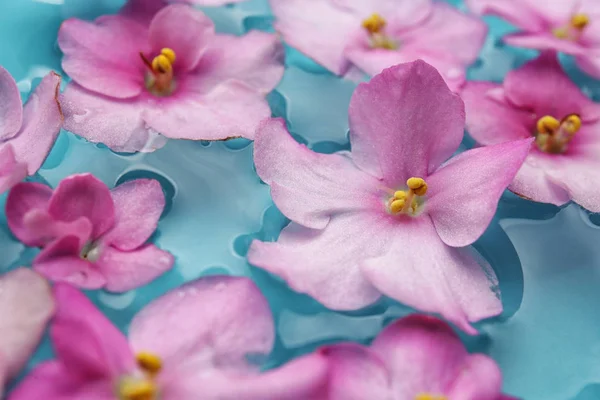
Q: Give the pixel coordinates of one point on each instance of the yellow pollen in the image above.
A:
(572, 124)
(427, 396)
(138, 390)
(417, 185)
(162, 64)
(149, 363)
(547, 124)
(405, 201)
(580, 21)
(552, 135)
(169, 53)
(397, 206)
(400, 194)
(374, 24)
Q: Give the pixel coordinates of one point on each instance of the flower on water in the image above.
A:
(389, 217)
(415, 358)
(373, 35)
(172, 74)
(90, 236)
(193, 343)
(27, 133)
(539, 100)
(568, 26)
(26, 306)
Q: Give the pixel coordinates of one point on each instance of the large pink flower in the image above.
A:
(373, 35)
(540, 100)
(192, 343)
(569, 26)
(26, 133)
(389, 217)
(26, 305)
(91, 236)
(415, 358)
(173, 76)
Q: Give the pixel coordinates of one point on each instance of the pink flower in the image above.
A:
(372, 35)
(568, 26)
(173, 76)
(91, 236)
(27, 134)
(389, 217)
(192, 343)
(26, 306)
(539, 100)
(415, 358)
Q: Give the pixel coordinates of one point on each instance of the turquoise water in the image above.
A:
(548, 341)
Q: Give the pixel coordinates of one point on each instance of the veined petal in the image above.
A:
(11, 109)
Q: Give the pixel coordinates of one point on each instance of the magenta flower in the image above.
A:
(389, 217)
(26, 306)
(192, 343)
(173, 76)
(27, 133)
(539, 100)
(373, 35)
(90, 236)
(568, 26)
(416, 358)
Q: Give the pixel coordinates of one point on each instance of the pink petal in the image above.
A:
(255, 59)
(22, 199)
(52, 381)
(104, 56)
(26, 306)
(428, 352)
(42, 120)
(11, 171)
(85, 341)
(517, 12)
(11, 110)
(83, 195)
(397, 13)
(126, 270)
(60, 262)
(419, 270)
(357, 373)
(310, 29)
(212, 3)
(544, 41)
(590, 64)
(463, 195)
(215, 322)
(333, 277)
(310, 187)
(183, 29)
(229, 110)
(138, 206)
(116, 123)
(490, 121)
(396, 120)
(541, 85)
(142, 11)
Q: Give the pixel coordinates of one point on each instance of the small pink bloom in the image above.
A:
(26, 306)
(27, 133)
(568, 26)
(91, 236)
(389, 217)
(415, 358)
(343, 35)
(539, 100)
(172, 75)
(192, 343)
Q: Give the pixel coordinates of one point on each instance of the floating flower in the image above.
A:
(388, 217)
(192, 343)
(539, 100)
(27, 133)
(173, 76)
(568, 26)
(374, 35)
(26, 306)
(91, 236)
(416, 358)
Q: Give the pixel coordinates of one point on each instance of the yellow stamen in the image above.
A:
(580, 21)
(404, 201)
(161, 64)
(397, 206)
(400, 194)
(553, 135)
(138, 390)
(547, 124)
(573, 29)
(374, 24)
(169, 53)
(572, 124)
(149, 363)
(427, 396)
(417, 185)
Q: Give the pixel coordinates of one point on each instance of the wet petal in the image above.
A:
(11, 109)
(23, 199)
(11, 171)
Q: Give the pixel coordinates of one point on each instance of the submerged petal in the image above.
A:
(11, 109)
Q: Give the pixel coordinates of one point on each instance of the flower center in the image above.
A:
(159, 78)
(90, 252)
(408, 201)
(428, 396)
(573, 29)
(375, 26)
(553, 136)
(142, 387)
